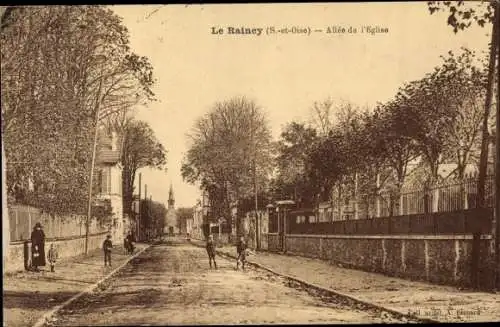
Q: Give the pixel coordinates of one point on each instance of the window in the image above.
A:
(105, 180)
(300, 219)
(312, 219)
(98, 184)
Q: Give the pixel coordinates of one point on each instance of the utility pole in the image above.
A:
(138, 217)
(149, 213)
(254, 168)
(356, 213)
(257, 222)
(145, 202)
(96, 131)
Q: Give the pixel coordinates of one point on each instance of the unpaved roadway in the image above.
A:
(173, 284)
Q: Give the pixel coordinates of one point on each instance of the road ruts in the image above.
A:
(172, 284)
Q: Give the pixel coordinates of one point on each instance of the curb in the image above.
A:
(45, 318)
(330, 291)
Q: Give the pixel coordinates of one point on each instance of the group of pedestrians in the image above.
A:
(39, 259)
(107, 246)
(38, 250)
(241, 249)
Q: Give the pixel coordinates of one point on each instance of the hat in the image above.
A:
(109, 236)
(38, 225)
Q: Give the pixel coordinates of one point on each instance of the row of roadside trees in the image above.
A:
(65, 71)
(345, 150)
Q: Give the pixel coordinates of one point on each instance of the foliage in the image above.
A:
(153, 214)
(361, 152)
(461, 14)
(231, 151)
(441, 112)
(292, 163)
(140, 149)
(460, 18)
(60, 65)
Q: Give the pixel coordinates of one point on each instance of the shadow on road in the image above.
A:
(33, 300)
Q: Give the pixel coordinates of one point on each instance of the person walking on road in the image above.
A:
(107, 245)
(211, 251)
(241, 248)
(130, 243)
(52, 256)
(37, 247)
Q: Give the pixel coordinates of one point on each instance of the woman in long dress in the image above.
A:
(37, 247)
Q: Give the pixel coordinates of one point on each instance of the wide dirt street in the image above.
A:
(173, 284)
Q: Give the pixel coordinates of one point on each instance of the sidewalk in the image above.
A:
(437, 302)
(27, 296)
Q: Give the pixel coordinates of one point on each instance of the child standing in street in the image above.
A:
(107, 246)
(211, 251)
(52, 256)
(241, 248)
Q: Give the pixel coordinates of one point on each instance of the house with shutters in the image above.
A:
(108, 183)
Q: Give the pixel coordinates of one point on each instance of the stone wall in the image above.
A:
(250, 227)
(23, 218)
(66, 247)
(273, 242)
(444, 259)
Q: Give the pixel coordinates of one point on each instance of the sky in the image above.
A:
(283, 73)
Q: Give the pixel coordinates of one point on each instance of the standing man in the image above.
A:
(241, 248)
(37, 247)
(130, 243)
(107, 245)
(211, 251)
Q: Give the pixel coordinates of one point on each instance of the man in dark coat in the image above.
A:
(211, 251)
(107, 245)
(130, 243)
(37, 247)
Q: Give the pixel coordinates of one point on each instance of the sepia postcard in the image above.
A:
(270, 163)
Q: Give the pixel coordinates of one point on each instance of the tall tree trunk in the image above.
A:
(495, 224)
(5, 210)
(5, 12)
(483, 161)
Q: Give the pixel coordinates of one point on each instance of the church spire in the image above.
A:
(171, 199)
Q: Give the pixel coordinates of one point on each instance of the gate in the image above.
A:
(283, 211)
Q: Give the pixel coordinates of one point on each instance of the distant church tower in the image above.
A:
(171, 220)
(171, 199)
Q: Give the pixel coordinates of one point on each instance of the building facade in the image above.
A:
(109, 180)
(172, 224)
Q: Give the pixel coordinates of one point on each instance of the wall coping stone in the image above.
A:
(404, 237)
(59, 239)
